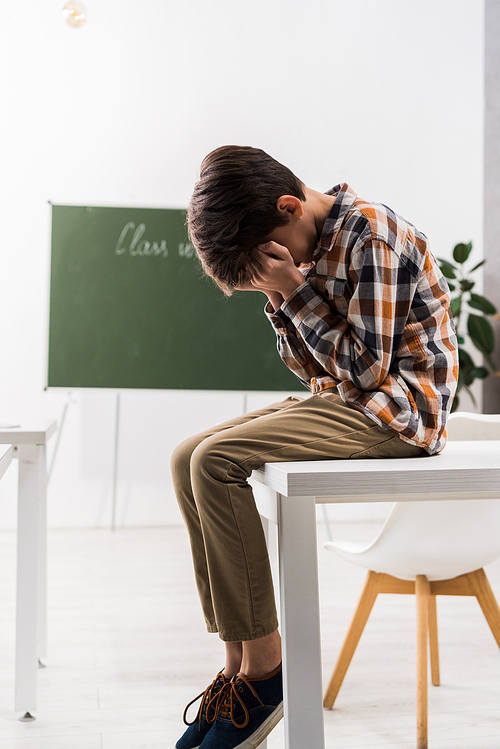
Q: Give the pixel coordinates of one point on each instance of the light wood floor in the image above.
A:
(128, 650)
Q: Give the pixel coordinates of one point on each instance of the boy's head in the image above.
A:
(234, 208)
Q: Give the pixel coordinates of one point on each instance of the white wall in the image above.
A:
(491, 391)
(385, 94)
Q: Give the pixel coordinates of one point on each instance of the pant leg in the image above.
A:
(237, 573)
(181, 476)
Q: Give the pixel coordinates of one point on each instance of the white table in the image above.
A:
(28, 446)
(465, 470)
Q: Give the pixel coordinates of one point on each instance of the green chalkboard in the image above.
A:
(131, 308)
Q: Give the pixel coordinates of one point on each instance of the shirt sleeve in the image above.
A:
(292, 349)
(358, 347)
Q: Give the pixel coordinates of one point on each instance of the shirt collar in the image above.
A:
(344, 198)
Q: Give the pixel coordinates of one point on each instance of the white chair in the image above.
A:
(428, 549)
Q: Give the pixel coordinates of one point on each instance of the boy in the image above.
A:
(361, 314)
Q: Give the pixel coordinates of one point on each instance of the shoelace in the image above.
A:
(224, 702)
(210, 693)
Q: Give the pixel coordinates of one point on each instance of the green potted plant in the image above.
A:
(465, 307)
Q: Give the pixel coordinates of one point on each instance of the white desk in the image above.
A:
(465, 470)
(28, 446)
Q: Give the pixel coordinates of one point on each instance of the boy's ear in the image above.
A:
(290, 204)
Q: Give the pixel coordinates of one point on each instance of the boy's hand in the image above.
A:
(274, 297)
(248, 287)
(274, 270)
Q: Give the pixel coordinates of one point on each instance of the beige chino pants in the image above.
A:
(210, 472)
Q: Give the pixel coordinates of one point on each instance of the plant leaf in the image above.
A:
(456, 306)
(479, 373)
(467, 285)
(451, 286)
(465, 368)
(465, 359)
(461, 252)
(455, 404)
(467, 377)
(477, 266)
(460, 339)
(447, 270)
(481, 303)
(481, 333)
(443, 261)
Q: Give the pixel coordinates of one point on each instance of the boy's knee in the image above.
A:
(180, 459)
(212, 459)
(202, 457)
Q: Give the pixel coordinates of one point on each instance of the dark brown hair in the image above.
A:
(233, 209)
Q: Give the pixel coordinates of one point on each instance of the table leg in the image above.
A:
(28, 535)
(300, 627)
(267, 507)
(272, 549)
(42, 551)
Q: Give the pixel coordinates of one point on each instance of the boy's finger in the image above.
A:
(268, 247)
(275, 250)
(254, 262)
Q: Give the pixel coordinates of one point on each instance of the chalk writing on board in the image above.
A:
(131, 242)
(186, 249)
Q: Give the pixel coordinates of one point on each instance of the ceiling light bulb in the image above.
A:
(74, 13)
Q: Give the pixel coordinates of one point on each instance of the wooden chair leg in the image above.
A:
(365, 605)
(422, 590)
(487, 601)
(433, 641)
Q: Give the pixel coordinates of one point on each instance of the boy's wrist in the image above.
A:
(288, 289)
(275, 298)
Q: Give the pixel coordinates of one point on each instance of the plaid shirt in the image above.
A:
(372, 319)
